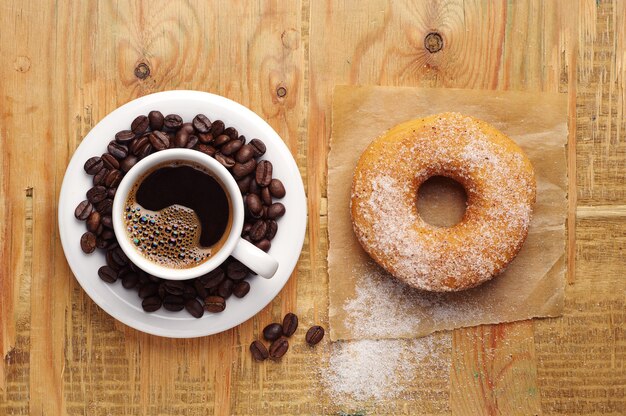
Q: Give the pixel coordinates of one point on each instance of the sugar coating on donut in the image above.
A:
(499, 182)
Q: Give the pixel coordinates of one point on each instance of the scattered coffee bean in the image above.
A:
(272, 331)
(173, 121)
(98, 178)
(105, 206)
(173, 303)
(254, 204)
(276, 188)
(244, 154)
(201, 123)
(207, 149)
(242, 139)
(200, 289)
(258, 146)
(96, 194)
(279, 348)
(113, 178)
(109, 161)
(241, 170)
(107, 274)
(217, 128)
(243, 183)
(231, 147)
(138, 146)
(190, 291)
(264, 173)
(174, 287)
(192, 142)
(264, 244)
(93, 221)
(107, 221)
(214, 304)
(236, 270)
(232, 133)
(182, 135)
(254, 188)
(147, 290)
(194, 307)
(221, 140)
(205, 138)
(156, 120)
(258, 230)
(151, 304)
(159, 140)
(139, 125)
(117, 150)
(226, 161)
(130, 280)
(124, 136)
(108, 235)
(213, 278)
(266, 197)
(93, 165)
(111, 192)
(128, 162)
(314, 335)
(225, 289)
(241, 289)
(290, 324)
(258, 350)
(276, 210)
(83, 210)
(272, 228)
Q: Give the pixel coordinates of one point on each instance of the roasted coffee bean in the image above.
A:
(156, 120)
(314, 335)
(200, 290)
(225, 289)
(159, 140)
(201, 123)
(241, 289)
(272, 228)
(242, 139)
(174, 287)
(147, 290)
(105, 206)
(173, 121)
(273, 331)
(130, 280)
(264, 214)
(217, 128)
(290, 324)
(124, 136)
(117, 150)
(232, 133)
(213, 278)
(244, 169)
(194, 307)
(173, 303)
(207, 149)
(190, 292)
(258, 146)
(214, 304)
(98, 178)
(107, 221)
(144, 151)
(93, 221)
(137, 147)
(235, 270)
(276, 210)
(107, 274)
(258, 230)
(151, 304)
(101, 243)
(221, 140)
(254, 204)
(205, 138)
(277, 189)
(226, 161)
(119, 256)
(264, 244)
(108, 235)
(245, 153)
(279, 348)
(243, 183)
(246, 228)
(182, 135)
(93, 165)
(231, 147)
(99, 230)
(111, 192)
(96, 194)
(113, 178)
(83, 210)
(109, 161)
(139, 125)
(128, 162)
(88, 242)
(192, 142)
(254, 187)
(264, 173)
(258, 351)
(266, 197)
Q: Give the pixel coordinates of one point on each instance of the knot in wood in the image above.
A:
(433, 42)
(142, 71)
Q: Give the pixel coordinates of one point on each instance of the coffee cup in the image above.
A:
(231, 244)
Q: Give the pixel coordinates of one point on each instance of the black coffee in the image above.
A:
(178, 215)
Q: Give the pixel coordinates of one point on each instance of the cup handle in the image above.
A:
(255, 259)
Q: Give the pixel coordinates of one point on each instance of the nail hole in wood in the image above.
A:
(433, 42)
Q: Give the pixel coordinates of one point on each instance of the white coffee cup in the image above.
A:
(254, 258)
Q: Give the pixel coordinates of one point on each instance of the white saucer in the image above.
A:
(125, 305)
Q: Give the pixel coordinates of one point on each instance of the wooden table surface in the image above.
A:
(66, 64)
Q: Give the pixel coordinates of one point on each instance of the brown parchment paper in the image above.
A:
(363, 296)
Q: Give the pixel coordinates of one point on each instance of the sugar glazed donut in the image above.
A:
(499, 182)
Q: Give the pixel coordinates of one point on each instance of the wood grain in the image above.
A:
(68, 64)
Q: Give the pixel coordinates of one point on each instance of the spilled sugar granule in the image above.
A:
(374, 370)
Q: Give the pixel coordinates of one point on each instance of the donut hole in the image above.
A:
(441, 201)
